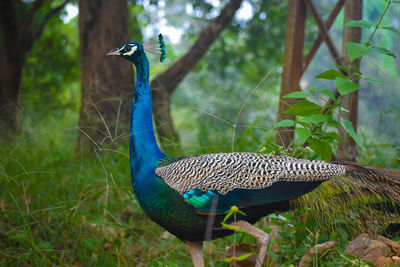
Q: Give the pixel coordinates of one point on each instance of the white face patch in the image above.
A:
(128, 50)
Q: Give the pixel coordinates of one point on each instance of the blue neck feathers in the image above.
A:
(143, 147)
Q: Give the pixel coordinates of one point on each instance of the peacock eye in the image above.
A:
(128, 50)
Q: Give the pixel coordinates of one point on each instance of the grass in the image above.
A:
(59, 210)
(56, 209)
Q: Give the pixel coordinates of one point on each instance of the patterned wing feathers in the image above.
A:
(224, 172)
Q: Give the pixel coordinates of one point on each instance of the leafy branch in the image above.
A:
(314, 121)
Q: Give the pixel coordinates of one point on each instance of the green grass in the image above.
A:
(56, 209)
(59, 210)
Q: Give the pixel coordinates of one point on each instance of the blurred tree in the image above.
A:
(347, 149)
(237, 81)
(165, 83)
(106, 82)
(292, 66)
(51, 79)
(21, 24)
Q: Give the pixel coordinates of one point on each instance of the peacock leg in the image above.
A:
(196, 251)
(261, 236)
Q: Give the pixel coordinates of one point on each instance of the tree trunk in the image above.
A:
(165, 83)
(10, 81)
(352, 11)
(12, 59)
(107, 82)
(292, 67)
(18, 37)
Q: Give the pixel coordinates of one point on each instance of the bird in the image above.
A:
(190, 196)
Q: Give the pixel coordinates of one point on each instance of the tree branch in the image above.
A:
(170, 78)
(28, 22)
(48, 17)
(165, 83)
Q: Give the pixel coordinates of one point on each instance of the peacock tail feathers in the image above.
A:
(377, 181)
(363, 195)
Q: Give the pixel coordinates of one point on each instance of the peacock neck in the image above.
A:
(144, 150)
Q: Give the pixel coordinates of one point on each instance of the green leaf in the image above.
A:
(328, 93)
(303, 108)
(234, 228)
(356, 50)
(303, 134)
(277, 217)
(342, 68)
(21, 238)
(44, 245)
(321, 148)
(334, 136)
(303, 123)
(315, 118)
(284, 123)
(228, 215)
(228, 260)
(313, 89)
(330, 74)
(299, 94)
(359, 23)
(392, 29)
(342, 109)
(241, 212)
(273, 216)
(245, 256)
(345, 86)
(384, 51)
(371, 80)
(356, 70)
(348, 127)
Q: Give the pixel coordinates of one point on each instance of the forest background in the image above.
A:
(57, 206)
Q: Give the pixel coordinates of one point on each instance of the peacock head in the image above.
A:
(130, 51)
(134, 51)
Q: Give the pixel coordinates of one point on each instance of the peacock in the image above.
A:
(189, 196)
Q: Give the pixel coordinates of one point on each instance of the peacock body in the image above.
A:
(189, 196)
(180, 193)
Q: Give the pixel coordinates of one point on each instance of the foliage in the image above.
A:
(59, 210)
(51, 211)
(58, 90)
(296, 233)
(224, 95)
(315, 121)
(234, 210)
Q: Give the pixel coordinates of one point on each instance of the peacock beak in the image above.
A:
(114, 52)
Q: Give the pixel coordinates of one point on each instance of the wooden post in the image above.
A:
(352, 11)
(292, 66)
